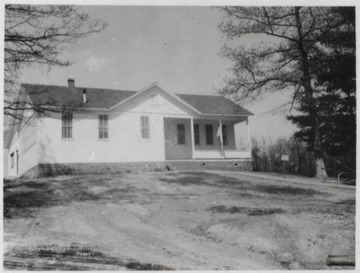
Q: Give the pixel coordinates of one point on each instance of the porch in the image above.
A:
(201, 138)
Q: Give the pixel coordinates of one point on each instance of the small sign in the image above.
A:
(284, 158)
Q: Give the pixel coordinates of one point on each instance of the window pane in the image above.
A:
(196, 134)
(67, 125)
(143, 133)
(103, 127)
(70, 119)
(144, 127)
(181, 133)
(224, 133)
(209, 134)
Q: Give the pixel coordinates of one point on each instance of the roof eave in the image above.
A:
(229, 115)
(177, 98)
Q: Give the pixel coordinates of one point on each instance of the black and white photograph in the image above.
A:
(179, 135)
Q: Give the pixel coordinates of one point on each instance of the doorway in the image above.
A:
(177, 138)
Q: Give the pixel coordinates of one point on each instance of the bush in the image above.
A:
(267, 158)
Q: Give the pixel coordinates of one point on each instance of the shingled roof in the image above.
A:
(214, 105)
(106, 98)
(63, 95)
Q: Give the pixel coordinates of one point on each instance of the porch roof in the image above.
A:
(214, 105)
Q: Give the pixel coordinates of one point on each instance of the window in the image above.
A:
(145, 128)
(224, 133)
(209, 134)
(181, 133)
(103, 127)
(12, 160)
(28, 134)
(67, 125)
(196, 134)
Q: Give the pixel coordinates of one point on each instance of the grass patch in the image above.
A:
(45, 257)
(21, 199)
(213, 176)
(232, 182)
(333, 210)
(272, 189)
(347, 202)
(245, 210)
(146, 266)
(186, 180)
(203, 178)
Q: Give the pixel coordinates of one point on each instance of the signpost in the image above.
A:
(283, 159)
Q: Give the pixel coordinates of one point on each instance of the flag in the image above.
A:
(219, 133)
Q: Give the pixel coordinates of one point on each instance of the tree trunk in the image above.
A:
(320, 169)
(309, 97)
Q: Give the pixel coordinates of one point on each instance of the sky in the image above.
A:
(175, 46)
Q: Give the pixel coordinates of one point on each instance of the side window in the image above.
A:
(181, 133)
(103, 126)
(209, 134)
(67, 120)
(145, 127)
(196, 134)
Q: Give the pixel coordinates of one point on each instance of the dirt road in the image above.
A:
(194, 220)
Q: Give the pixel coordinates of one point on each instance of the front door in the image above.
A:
(177, 138)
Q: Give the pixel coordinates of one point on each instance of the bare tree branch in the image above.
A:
(36, 35)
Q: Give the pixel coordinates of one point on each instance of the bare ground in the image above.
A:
(164, 221)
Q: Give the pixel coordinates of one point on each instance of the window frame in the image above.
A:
(145, 128)
(67, 126)
(207, 135)
(181, 134)
(103, 128)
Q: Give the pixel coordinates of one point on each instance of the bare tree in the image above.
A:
(37, 35)
(291, 38)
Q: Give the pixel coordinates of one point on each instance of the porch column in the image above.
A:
(248, 134)
(192, 138)
(221, 139)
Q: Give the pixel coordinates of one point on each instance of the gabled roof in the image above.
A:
(98, 98)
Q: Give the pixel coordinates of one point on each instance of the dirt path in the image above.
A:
(197, 221)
